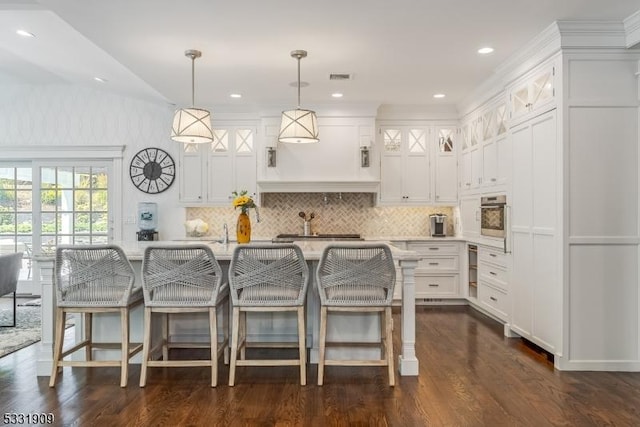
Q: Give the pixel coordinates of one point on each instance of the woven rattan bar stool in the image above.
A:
(183, 279)
(356, 279)
(93, 279)
(267, 278)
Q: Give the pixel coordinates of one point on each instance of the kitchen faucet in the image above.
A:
(225, 229)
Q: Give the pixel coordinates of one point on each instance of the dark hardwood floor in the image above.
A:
(470, 375)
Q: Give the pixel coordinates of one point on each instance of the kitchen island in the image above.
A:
(106, 325)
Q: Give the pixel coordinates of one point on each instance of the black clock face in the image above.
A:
(152, 170)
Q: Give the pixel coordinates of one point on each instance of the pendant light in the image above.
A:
(192, 125)
(298, 126)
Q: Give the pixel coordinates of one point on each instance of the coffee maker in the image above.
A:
(438, 225)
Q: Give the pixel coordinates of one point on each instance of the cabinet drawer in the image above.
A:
(493, 274)
(426, 248)
(436, 286)
(494, 256)
(439, 263)
(493, 300)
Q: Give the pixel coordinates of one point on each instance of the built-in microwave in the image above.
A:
(493, 220)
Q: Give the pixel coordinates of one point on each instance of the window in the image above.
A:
(74, 205)
(16, 214)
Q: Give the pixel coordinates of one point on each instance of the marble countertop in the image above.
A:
(312, 250)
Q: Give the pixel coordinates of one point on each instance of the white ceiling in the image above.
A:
(398, 52)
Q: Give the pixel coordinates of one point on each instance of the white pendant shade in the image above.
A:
(192, 125)
(299, 127)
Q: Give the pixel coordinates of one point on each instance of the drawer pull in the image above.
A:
(493, 255)
(494, 299)
(433, 285)
(434, 248)
(434, 263)
(492, 273)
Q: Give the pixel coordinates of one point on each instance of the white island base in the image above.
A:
(262, 327)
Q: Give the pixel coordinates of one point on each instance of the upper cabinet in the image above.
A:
(405, 165)
(210, 172)
(418, 164)
(533, 94)
(485, 159)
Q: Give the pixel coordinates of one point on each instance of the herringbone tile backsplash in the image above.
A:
(345, 213)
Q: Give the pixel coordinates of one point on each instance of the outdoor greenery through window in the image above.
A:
(73, 205)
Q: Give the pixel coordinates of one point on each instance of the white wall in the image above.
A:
(75, 115)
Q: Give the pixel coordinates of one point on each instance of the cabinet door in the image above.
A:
(391, 173)
(446, 168)
(192, 170)
(465, 171)
(476, 167)
(503, 159)
(489, 162)
(470, 216)
(220, 179)
(416, 179)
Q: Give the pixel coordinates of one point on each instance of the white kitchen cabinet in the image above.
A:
(446, 165)
(191, 173)
(210, 172)
(496, 155)
(470, 216)
(437, 274)
(533, 94)
(535, 285)
(493, 282)
(405, 165)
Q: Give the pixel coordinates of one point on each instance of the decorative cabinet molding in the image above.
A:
(210, 172)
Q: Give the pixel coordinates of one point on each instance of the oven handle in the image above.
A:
(507, 223)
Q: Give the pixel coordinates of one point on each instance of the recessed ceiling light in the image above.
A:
(485, 50)
(24, 33)
(100, 79)
(336, 95)
(439, 95)
(235, 95)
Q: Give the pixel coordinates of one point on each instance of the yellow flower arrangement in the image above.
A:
(243, 201)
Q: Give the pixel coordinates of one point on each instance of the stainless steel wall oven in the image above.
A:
(493, 221)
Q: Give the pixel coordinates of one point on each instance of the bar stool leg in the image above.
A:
(302, 348)
(213, 332)
(234, 345)
(146, 344)
(322, 339)
(58, 342)
(124, 357)
(388, 345)
(88, 335)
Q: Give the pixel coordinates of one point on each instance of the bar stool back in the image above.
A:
(93, 279)
(357, 278)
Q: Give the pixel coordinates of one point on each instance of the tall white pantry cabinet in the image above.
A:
(574, 220)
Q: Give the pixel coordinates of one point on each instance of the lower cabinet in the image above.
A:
(493, 282)
(438, 272)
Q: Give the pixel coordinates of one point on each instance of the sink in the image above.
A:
(288, 238)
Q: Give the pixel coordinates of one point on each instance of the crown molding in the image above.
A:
(632, 29)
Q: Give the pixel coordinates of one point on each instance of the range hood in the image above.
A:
(319, 186)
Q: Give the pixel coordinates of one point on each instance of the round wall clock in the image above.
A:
(152, 170)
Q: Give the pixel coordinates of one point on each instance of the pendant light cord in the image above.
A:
(193, 80)
(298, 82)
